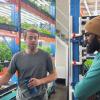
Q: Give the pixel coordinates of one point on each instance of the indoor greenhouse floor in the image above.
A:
(60, 92)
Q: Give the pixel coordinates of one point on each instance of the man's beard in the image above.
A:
(32, 47)
(93, 46)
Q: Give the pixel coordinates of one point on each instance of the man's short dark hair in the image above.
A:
(31, 30)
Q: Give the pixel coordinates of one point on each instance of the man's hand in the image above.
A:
(34, 82)
(5, 78)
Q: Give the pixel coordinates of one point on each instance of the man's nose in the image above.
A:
(33, 39)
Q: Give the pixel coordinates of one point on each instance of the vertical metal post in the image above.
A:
(53, 15)
(19, 22)
(53, 9)
(16, 20)
(75, 13)
(52, 30)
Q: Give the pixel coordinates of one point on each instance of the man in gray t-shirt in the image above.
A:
(32, 66)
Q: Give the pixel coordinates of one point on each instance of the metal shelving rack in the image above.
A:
(75, 13)
(16, 19)
(9, 91)
(75, 43)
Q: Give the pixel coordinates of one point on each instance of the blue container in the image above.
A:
(31, 90)
(14, 79)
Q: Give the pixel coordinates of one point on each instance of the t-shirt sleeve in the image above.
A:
(12, 66)
(50, 66)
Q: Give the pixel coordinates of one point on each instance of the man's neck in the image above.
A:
(29, 51)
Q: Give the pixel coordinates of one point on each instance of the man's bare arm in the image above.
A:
(36, 82)
(5, 78)
(52, 76)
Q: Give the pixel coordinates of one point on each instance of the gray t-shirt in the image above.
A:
(28, 66)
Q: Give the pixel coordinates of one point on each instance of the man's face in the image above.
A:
(92, 43)
(32, 40)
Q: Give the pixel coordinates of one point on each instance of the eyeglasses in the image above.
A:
(87, 34)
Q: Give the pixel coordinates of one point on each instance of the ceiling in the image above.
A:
(90, 7)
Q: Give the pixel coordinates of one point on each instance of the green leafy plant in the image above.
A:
(5, 52)
(1, 67)
(41, 8)
(45, 48)
(44, 31)
(88, 63)
(28, 26)
(25, 25)
(23, 46)
(4, 20)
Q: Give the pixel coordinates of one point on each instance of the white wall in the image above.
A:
(61, 59)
